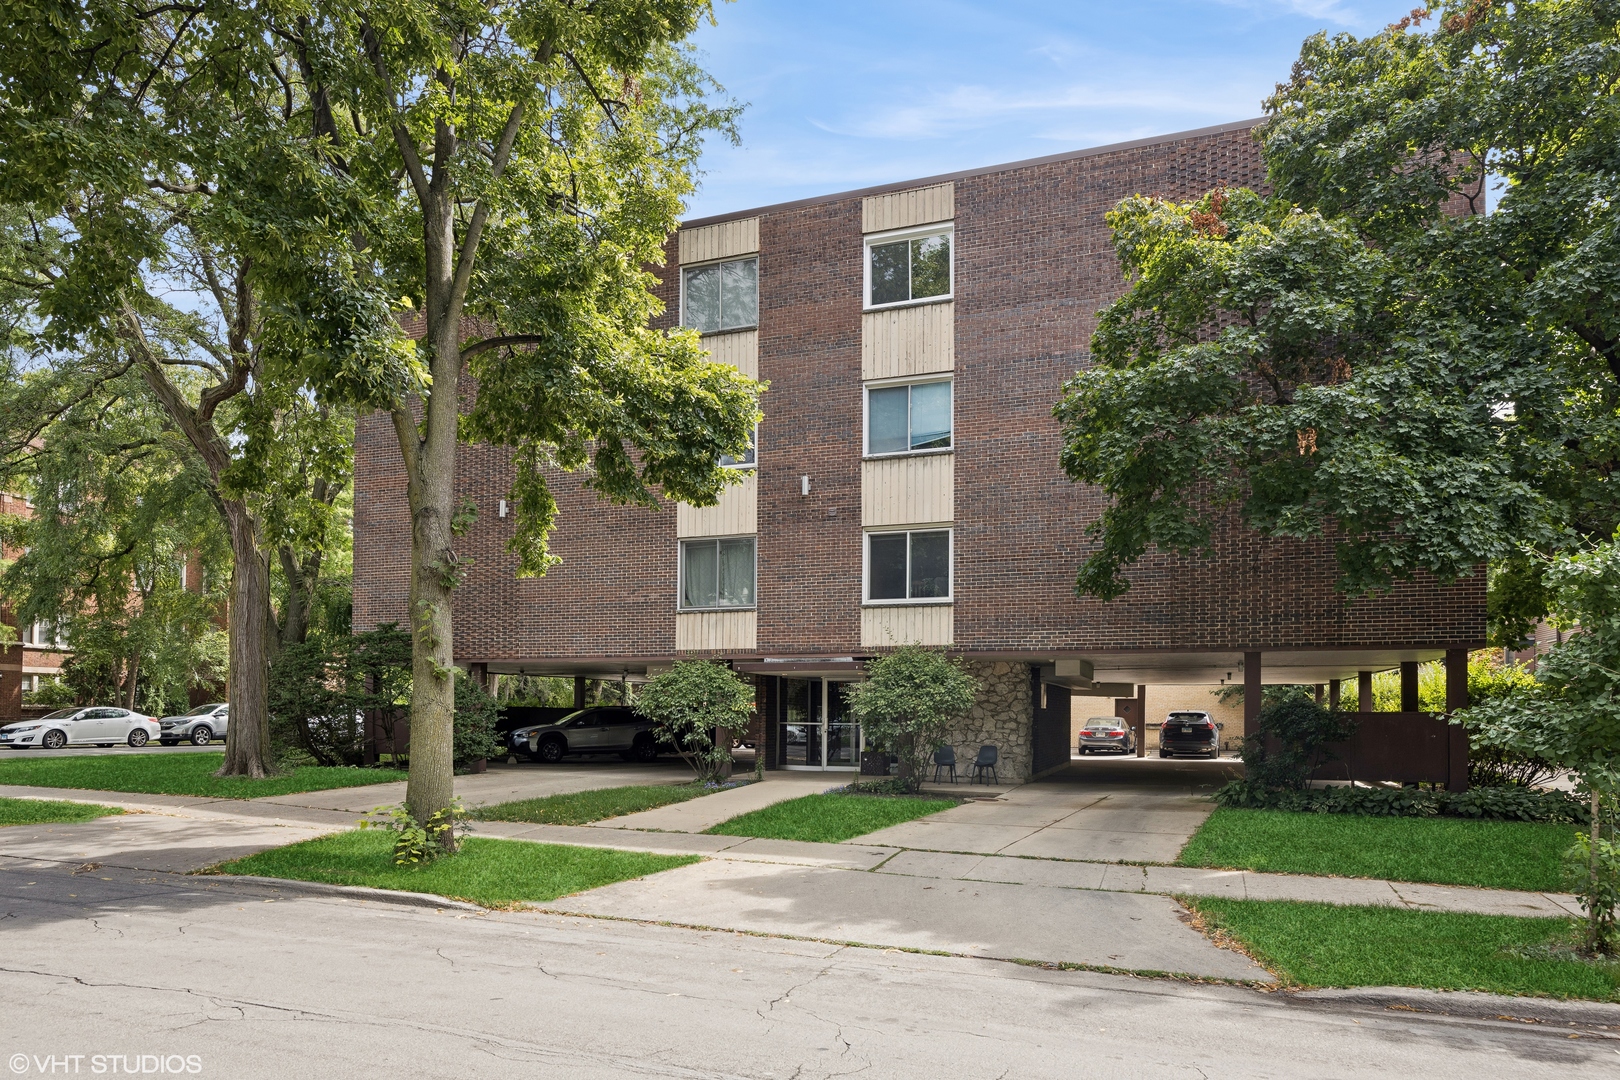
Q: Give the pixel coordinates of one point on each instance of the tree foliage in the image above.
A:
(908, 701)
(1291, 743)
(689, 703)
(1364, 355)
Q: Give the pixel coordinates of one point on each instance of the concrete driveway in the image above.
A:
(1095, 822)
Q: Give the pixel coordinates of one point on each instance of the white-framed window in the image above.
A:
(748, 458)
(44, 634)
(721, 296)
(910, 417)
(908, 566)
(910, 266)
(717, 573)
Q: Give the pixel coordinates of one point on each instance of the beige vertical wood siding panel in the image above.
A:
(716, 631)
(917, 340)
(736, 514)
(903, 209)
(911, 624)
(739, 348)
(908, 490)
(720, 241)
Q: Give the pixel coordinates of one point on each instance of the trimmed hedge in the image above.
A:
(1509, 803)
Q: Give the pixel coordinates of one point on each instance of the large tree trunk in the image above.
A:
(247, 738)
(431, 464)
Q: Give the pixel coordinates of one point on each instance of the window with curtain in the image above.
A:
(717, 573)
(902, 419)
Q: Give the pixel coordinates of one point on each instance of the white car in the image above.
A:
(96, 725)
(201, 725)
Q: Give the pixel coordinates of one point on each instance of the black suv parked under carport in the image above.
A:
(1189, 733)
(600, 729)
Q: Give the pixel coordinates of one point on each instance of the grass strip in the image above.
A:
(161, 773)
(584, 807)
(1313, 944)
(1444, 851)
(493, 873)
(829, 818)
(50, 811)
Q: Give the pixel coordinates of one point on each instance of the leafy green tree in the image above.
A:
(322, 690)
(134, 238)
(1570, 715)
(513, 171)
(124, 552)
(1365, 355)
(908, 701)
(692, 702)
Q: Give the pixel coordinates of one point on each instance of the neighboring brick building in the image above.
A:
(915, 337)
(38, 653)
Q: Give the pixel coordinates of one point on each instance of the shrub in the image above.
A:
(688, 703)
(1292, 742)
(473, 730)
(909, 699)
(1508, 803)
(321, 689)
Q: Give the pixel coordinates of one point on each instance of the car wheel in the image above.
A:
(644, 749)
(138, 737)
(551, 751)
(53, 740)
(1164, 753)
(201, 736)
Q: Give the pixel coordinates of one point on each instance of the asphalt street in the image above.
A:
(165, 971)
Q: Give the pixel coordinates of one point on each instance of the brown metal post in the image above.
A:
(1333, 695)
(1319, 689)
(1457, 735)
(1251, 694)
(480, 675)
(1364, 697)
(579, 691)
(1409, 686)
(1141, 720)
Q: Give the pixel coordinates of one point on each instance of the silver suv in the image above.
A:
(603, 729)
(201, 725)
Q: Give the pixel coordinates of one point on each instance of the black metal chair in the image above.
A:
(984, 766)
(945, 758)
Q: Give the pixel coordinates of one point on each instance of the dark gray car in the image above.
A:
(1189, 733)
(602, 729)
(1107, 735)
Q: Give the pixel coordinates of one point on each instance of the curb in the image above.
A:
(1472, 1005)
(353, 892)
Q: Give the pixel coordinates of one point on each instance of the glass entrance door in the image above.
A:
(815, 730)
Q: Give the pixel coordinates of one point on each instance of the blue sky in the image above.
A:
(844, 94)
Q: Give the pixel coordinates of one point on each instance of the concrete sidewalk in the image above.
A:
(707, 811)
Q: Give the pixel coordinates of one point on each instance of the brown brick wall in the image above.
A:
(1034, 264)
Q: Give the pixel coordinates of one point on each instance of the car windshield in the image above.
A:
(201, 710)
(59, 714)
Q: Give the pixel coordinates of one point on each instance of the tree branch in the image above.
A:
(402, 137)
(469, 243)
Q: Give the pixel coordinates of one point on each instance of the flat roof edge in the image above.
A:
(965, 174)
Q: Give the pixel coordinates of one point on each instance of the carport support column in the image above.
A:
(1141, 720)
(579, 691)
(1456, 734)
(1364, 698)
(1333, 695)
(1251, 694)
(1409, 686)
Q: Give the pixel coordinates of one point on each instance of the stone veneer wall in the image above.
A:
(1002, 716)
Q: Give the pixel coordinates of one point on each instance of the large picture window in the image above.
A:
(904, 566)
(913, 416)
(721, 296)
(901, 269)
(717, 573)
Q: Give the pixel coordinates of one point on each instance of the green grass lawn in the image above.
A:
(829, 818)
(160, 773)
(1445, 851)
(584, 807)
(1313, 944)
(494, 873)
(49, 811)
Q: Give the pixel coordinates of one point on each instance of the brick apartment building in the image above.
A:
(906, 486)
(38, 651)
